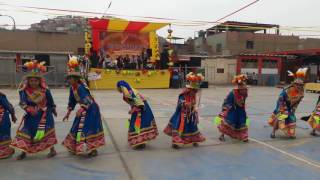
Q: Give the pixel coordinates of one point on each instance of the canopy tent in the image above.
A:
(121, 25)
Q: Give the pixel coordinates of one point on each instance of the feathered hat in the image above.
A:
(73, 67)
(35, 69)
(299, 76)
(240, 80)
(194, 80)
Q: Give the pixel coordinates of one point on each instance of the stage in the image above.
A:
(140, 79)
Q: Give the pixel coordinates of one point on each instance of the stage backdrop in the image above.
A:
(123, 43)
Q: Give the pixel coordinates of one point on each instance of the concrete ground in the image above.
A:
(261, 158)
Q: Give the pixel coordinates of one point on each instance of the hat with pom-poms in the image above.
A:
(194, 80)
(73, 67)
(35, 69)
(299, 76)
(240, 80)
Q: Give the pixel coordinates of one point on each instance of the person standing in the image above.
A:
(164, 58)
(120, 64)
(6, 109)
(126, 62)
(233, 120)
(183, 125)
(142, 125)
(283, 117)
(37, 133)
(144, 58)
(134, 62)
(86, 134)
(140, 63)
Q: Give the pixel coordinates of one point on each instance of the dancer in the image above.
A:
(5, 127)
(142, 125)
(314, 119)
(86, 134)
(233, 120)
(37, 133)
(283, 116)
(183, 125)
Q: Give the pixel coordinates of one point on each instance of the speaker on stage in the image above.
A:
(204, 84)
(149, 52)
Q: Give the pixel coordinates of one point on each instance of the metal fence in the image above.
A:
(13, 78)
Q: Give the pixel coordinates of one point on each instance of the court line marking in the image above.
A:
(116, 147)
(304, 160)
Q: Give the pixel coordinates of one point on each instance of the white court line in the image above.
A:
(309, 162)
(159, 101)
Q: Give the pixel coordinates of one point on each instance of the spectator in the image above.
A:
(140, 62)
(120, 62)
(126, 62)
(144, 58)
(107, 62)
(164, 59)
(134, 62)
(254, 78)
(101, 62)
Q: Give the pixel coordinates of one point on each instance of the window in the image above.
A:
(218, 48)
(220, 70)
(270, 64)
(250, 45)
(250, 63)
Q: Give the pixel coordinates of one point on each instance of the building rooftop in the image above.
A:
(242, 26)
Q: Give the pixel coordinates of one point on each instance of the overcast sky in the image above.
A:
(287, 13)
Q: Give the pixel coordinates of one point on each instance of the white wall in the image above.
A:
(212, 64)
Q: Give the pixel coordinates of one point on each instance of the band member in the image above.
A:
(283, 116)
(6, 109)
(86, 134)
(142, 125)
(183, 125)
(233, 120)
(37, 132)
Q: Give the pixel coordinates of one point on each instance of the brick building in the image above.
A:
(234, 38)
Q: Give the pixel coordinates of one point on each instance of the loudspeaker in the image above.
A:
(194, 62)
(149, 52)
(204, 84)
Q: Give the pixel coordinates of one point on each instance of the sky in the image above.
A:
(289, 14)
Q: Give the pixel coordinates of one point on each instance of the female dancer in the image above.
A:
(283, 116)
(142, 126)
(5, 126)
(183, 125)
(37, 133)
(233, 120)
(86, 134)
(314, 119)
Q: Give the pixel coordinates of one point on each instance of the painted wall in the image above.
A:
(39, 41)
(219, 70)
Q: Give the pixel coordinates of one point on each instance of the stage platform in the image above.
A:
(139, 79)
